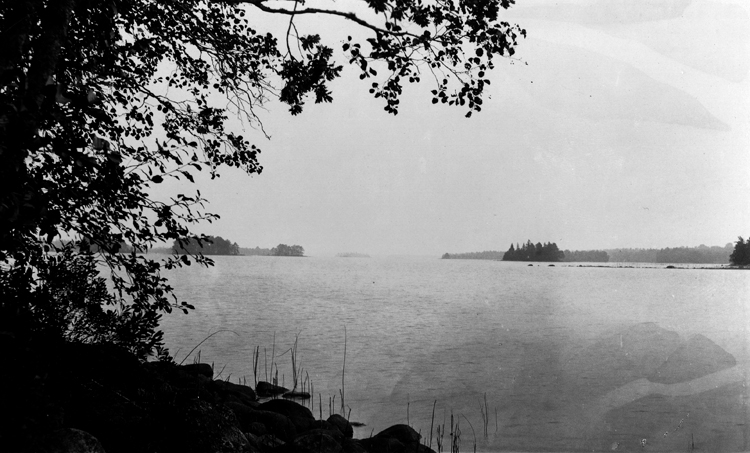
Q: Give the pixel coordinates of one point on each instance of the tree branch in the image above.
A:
(346, 15)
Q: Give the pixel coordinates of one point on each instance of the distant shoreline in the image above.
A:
(656, 266)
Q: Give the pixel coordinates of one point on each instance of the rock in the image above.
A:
(323, 424)
(317, 441)
(697, 357)
(300, 416)
(229, 391)
(352, 446)
(381, 445)
(70, 440)
(198, 369)
(288, 408)
(252, 439)
(403, 433)
(257, 429)
(270, 442)
(276, 424)
(294, 395)
(267, 390)
(335, 433)
(342, 425)
(201, 427)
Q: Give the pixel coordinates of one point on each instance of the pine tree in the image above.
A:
(741, 254)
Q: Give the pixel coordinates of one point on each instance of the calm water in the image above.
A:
(560, 354)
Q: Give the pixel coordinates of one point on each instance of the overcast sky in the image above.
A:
(626, 123)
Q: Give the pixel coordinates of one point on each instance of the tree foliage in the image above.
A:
(591, 256)
(741, 254)
(287, 250)
(209, 246)
(485, 255)
(534, 252)
(102, 100)
(700, 255)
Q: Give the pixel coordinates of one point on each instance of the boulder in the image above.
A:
(342, 425)
(269, 442)
(70, 440)
(381, 445)
(201, 427)
(316, 441)
(300, 416)
(697, 357)
(276, 424)
(229, 391)
(335, 433)
(352, 446)
(288, 408)
(267, 390)
(257, 429)
(323, 424)
(403, 433)
(198, 369)
(296, 395)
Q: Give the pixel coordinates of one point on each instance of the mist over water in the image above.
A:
(569, 358)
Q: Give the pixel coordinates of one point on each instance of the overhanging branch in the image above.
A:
(346, 15)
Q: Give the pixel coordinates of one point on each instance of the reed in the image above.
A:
(455, 435)
(432, 422)
(203, 341)
(295, 363)
(256, 356)
(472, 431)
(217, 376)
(407, 410)
(484, 411)
(273, 360)
(343, 374)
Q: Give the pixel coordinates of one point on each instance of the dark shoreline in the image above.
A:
(100, 398)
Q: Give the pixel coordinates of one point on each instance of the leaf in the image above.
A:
(157, 179)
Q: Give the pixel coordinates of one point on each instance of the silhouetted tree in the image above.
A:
(208, 246)
(286, 250)
(102, 100)
(534, 252)
(741, 254)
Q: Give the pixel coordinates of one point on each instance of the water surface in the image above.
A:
(566, 358)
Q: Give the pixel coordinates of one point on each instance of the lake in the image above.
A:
(525, 358)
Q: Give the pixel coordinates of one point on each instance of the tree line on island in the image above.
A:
(216, 245)
(534, 252)
(738, 255)
(741, 254)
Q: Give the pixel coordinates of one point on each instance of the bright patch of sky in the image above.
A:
(623, 124)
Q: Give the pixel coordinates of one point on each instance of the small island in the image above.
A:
(287, 250)
(352, 255)
(486, 255)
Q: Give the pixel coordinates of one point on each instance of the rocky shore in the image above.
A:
(99, 398)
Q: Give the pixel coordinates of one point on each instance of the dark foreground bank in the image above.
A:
(95, 398)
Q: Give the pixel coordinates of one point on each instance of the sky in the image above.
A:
(621, 123)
